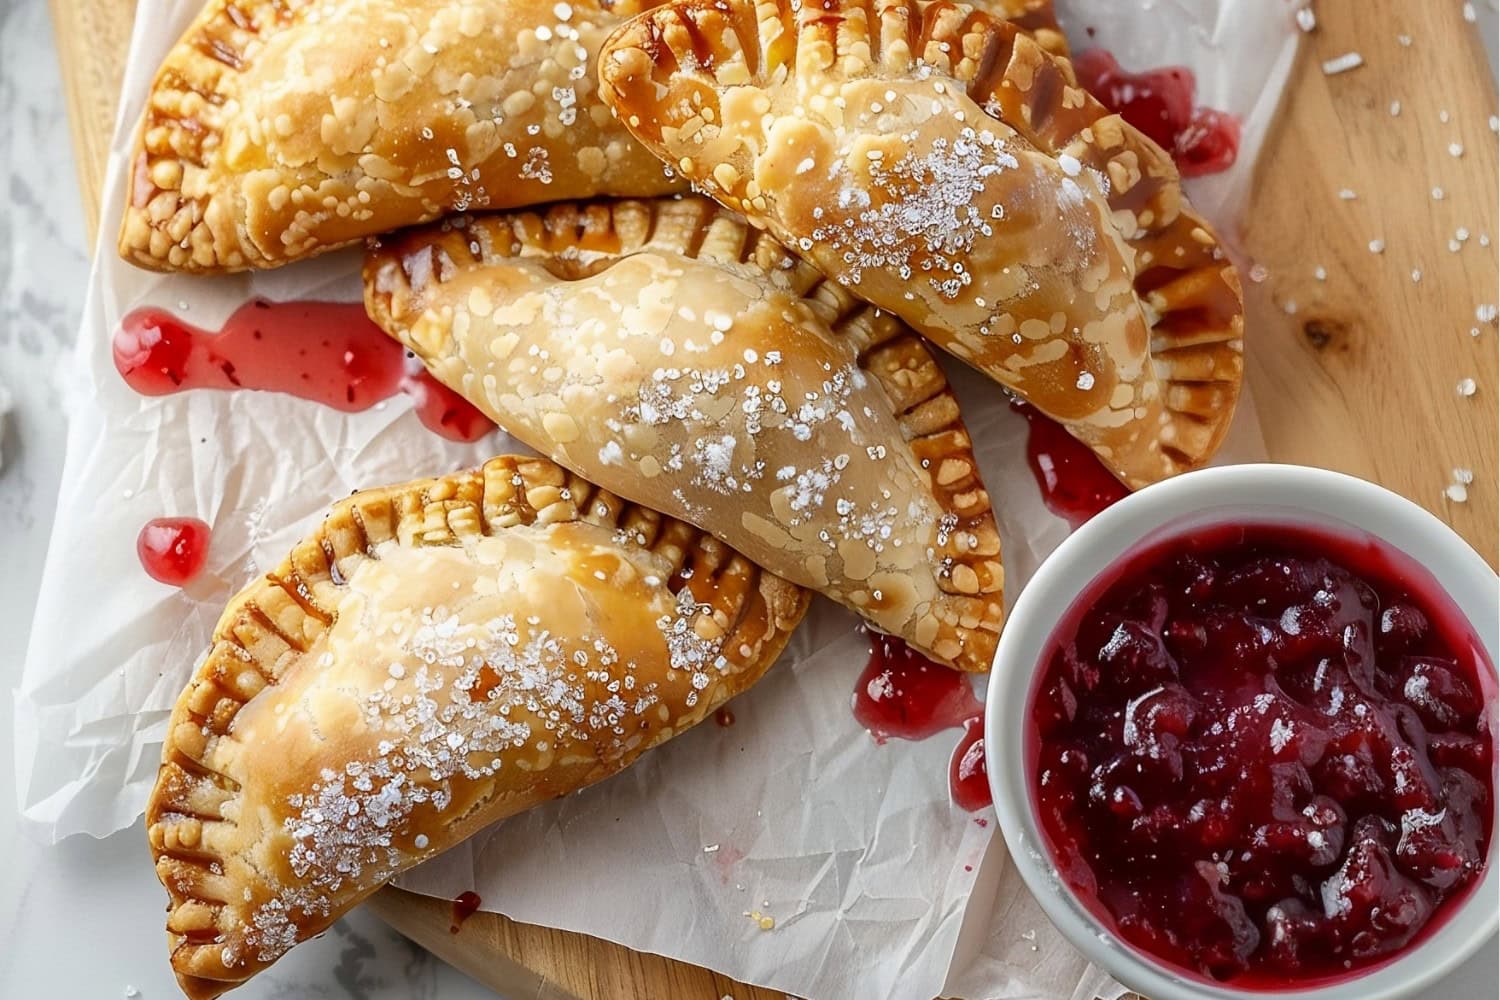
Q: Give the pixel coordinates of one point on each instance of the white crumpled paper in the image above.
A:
(877, 885)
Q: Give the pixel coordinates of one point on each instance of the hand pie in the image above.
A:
(944, 167)
(278, 129)
(1038, 18)
(432, 658)
(670, 353)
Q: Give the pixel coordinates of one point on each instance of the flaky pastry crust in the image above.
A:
(278, 129)
(673, 354)
(942, 165)
(433, 657)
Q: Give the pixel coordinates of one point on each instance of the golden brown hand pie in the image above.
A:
(434, 657)
(941, 165)
(277, 129)
(672, 354)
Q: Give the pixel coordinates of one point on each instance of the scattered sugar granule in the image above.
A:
(131, 992)
(711, 849)
(1258, 273)
(1405, 41)
(421, 841)
(1290, 307)
(1377, 246)
(1464, 476)
(1347, 194)
(1466, 387)
(1455, 149)
(1416, 276)
(1457, 492)
(1454, 246)
(1461, 234)
(1487, 313)
(1030, 938)
(1085, 381)
(1437, 194)
(1320, 273)
(1395, 109)
(1469, 13)
(1495, 123)
(1343, 63)
(1306, 19)
(1444, 117)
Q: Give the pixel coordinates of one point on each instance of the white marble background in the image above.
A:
(84, 919)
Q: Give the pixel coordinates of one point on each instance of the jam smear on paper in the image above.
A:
(464, 907)
(327, 352)
(172, 550)
(903, 694)
(1265, 753)
(1075, 485)
(1162, 103)
(968, 776)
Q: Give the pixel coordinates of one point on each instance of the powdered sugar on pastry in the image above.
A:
(672, 354)
(278, 129)
(488, 641)
(944, 166)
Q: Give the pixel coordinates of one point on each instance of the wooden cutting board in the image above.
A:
(1357, 370)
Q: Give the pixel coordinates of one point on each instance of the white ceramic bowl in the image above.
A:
(1259, 493)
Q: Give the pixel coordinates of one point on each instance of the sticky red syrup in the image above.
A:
(724, 717)
(327, 352)
(968, 777)
(173, 549)
(1075, 485)
(464, 907)
(1265, 754)
(1162, 104)
(903, 694)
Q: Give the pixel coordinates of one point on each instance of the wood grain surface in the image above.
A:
(1355, 363)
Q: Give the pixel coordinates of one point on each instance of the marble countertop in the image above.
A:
(84, 919)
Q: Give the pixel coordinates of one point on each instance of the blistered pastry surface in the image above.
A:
(669, 352)
(942, 165)
(277, 129)
(436, 657)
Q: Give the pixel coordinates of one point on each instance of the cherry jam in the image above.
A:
(465, 905)
(1265, 754)
(327, 352)
(173, 550)
(903, 694)
(1075, 485)
(1162, 104)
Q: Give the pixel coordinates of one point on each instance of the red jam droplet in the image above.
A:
(1160, 102)
(1265, 753)
(968, 777)
(903, 694)
(1075, 485)
(464, 907)
(173, 549)
(327, 352)
(724, 717)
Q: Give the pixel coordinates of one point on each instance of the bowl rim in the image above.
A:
(1264, 491)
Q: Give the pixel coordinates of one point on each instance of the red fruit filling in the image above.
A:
(1266, 753)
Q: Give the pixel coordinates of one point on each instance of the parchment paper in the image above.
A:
(878, 886)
